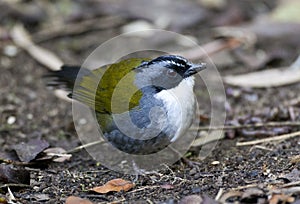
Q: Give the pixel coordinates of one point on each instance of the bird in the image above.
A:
(142, 105)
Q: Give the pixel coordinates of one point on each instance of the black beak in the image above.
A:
(194, 68)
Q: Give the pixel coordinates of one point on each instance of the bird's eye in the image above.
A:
(171, 73)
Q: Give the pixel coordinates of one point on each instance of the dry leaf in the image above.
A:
(57, 154)
(281, 198)
(28, 151)
(293, 176)
(295, 159)
(77, 200)
(114, 185)
(266, 78)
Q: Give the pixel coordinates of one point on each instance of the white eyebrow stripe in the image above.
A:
(174, 63)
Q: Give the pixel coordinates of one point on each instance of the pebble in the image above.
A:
(11, 120)
(10, 50)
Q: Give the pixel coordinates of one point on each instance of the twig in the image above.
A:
(276, 138)
(79, 148)
(292, 102)
(143, 188)
(260, 147)
(291, 184)
(11, 197)
(23, 39)
(229, 127)
(244, 187)
(20, 185)
(45, 57)
(220, 193)
(17, 163)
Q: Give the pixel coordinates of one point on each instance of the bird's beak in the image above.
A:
(195, 68)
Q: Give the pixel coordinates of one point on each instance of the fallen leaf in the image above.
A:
(281, 198)
(114, 185)
(41, 197)
(293, 176)
(57, 154)
(77, 200)
(11, 174)
(295, 159)
(267, 78)
(28, 151)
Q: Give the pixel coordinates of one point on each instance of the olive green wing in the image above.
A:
(110, 89)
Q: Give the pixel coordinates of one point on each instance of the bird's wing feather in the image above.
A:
(104, 87)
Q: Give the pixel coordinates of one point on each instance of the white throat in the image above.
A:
(179, 103)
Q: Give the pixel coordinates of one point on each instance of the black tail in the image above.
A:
(64, 78)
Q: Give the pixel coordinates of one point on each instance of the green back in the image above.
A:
(114, 85)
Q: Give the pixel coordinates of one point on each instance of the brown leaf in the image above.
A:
(77, 200)
(281, 198)
(114, 185)
(295, 159)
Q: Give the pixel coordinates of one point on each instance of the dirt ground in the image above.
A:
(246, 174)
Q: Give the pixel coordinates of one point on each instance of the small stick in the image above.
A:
(291, 184)
(79, 148)
(20, 185)
(276, 138)
(17, 163)
(220, 193)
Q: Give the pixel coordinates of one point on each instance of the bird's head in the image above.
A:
(166, 72)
